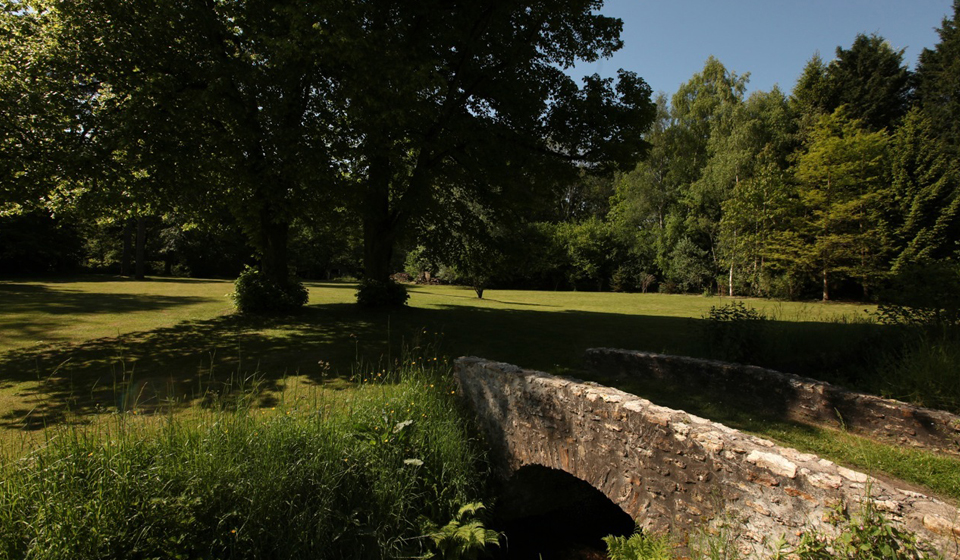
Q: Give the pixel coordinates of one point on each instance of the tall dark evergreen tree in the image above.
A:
(924, 221)
(869, 79)
(938, 80)
(926, 163)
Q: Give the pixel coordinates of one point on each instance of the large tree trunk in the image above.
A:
(378, 241)
(379, 227)
(141, 264)
(274, 234)
(826, 286)
(126, 258)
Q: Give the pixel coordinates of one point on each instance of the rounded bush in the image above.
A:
(258, 295)
(735, 332)
(373, 293)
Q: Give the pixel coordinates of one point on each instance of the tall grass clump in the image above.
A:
(357, 473)
(924, 311)
(924, 368)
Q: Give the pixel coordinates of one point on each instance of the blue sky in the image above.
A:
(667, 41)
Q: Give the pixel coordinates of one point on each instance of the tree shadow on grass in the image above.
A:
(184, 365)
(45, 307)
(109, 278)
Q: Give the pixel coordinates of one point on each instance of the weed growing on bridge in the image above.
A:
(352, 473)
(867, 534)
(639, 546)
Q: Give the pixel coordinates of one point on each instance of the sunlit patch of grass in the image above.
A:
(71, 310)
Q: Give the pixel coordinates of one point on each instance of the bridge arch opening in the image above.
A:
(550, 514)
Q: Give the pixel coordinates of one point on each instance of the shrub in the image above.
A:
(465, 537)
(668, 287)
(374, 293)
(418, 264)
(630, 279)
(734, 332)
(258, 295)
(923, 294)
(638, 546)
(689, 266)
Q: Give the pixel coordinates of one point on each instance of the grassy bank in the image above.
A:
(361, 473)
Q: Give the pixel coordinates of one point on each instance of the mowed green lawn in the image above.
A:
(74, 352)
(76, 347)
(86, 307)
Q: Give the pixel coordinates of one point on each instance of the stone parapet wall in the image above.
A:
(789, 396)
(673, 471)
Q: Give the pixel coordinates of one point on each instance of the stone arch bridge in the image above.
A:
(672, 471)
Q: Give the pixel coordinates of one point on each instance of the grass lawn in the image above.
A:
(73, 350)
(73, 347)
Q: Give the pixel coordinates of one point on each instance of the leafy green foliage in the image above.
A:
(465, 536)
(735, 332)
(689, 266)
(638, 546)
(417, 264)
(256, 294)
(923, 294)
(592, 252)
(432, 156)
(374, 293)
(867, 535)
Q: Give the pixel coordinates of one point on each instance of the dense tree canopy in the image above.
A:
(338, 135)
(466, 104)
(394, 110)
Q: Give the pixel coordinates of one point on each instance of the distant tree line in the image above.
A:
(847, 187)
(368, 138)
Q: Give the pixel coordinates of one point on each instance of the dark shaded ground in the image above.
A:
(177, 366)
